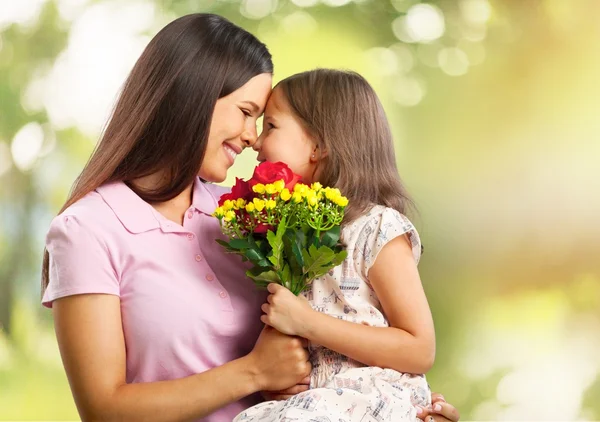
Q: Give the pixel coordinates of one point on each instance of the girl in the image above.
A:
(368, 321)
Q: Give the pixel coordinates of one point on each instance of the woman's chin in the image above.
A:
(213, 176)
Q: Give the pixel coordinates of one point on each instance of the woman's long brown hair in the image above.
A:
(162, 118)
(341, 112)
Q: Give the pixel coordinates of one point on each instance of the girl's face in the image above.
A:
(284, 139)
(233, 126)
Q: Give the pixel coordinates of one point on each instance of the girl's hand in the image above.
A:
(440, 411)
(286, 312)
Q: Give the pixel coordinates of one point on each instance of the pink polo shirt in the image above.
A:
(186, 305)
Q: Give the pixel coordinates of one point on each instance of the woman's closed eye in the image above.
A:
(247, 113)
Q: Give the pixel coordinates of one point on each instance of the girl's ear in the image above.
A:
(317, 154)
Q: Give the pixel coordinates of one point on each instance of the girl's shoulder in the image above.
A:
(382, 217)
(370, 232)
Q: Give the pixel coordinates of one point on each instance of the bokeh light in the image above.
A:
(493, 107)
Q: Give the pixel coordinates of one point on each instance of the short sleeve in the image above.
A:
(80, 263)
(381, 227)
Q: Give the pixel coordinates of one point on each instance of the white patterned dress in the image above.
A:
(342, 389)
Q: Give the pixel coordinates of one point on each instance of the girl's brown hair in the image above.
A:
(341, 112)
(162, 118)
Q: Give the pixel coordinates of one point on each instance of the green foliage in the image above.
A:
(292, 258)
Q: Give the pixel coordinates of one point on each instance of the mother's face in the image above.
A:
(233, 126)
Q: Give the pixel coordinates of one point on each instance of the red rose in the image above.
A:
(263, 228)
(239, 190)
(266, 173)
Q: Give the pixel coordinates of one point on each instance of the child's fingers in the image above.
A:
(274, 287)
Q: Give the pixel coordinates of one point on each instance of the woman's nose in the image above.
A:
(249, 138)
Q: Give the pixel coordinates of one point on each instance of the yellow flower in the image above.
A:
(259, 188)
(333, 194)
(301, 189)
(310, 194)
(313, 201)
(285, 194)
(219, 212)
(229, 215)
(316, 186)
(270, 204)
(279, 185)
(270, 189)
(240, 203)
(259, 204)
(228, 205)
(250, 207)
(297, 196)
(342, 201)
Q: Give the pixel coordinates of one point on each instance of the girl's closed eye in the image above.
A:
(268, 125)
(247, 113)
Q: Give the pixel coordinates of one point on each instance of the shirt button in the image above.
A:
(198, 258)
(223, 294)
(210, 277)
(190, 214)
(191, 236)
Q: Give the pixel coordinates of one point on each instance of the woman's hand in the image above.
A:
(440, 411)
(301, 387)
(286, 312)
(278, 361)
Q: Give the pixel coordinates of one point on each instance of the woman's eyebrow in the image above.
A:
(252, 105)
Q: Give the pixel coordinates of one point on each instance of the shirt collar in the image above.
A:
(138, 216)
(131, 210)
(203, 197)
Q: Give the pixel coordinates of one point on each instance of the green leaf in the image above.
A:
(276, 242)
(265, 247)
(264, 278)
(252, 243)
(289, 239)
(331, 237)
(339, 258)
(228, 248)
(301, 239)
(286, 276)
(297, 251)
(317, 261)
(254, 254)
(256, 257)
(239, 244)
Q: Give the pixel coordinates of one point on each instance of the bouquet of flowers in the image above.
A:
(288, 230)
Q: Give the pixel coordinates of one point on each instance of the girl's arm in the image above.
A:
(90, 337)
(408, 345)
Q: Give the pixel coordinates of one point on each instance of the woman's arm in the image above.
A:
(90, 337)
(408, 345)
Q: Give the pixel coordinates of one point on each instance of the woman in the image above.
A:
(153, 321)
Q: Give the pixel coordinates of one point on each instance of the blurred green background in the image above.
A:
(494, 106)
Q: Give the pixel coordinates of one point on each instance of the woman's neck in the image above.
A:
(174, 209)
